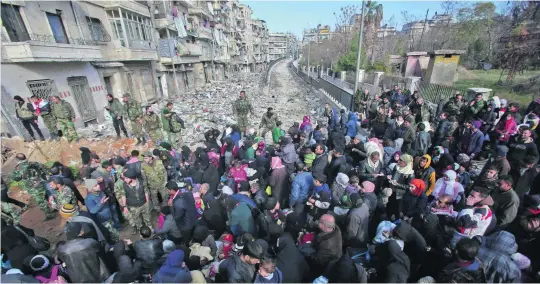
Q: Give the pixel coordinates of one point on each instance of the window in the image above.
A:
(138, 27)
(116, 26)
(57, 27)
(96, 29)
(42, 88)
(12, 21)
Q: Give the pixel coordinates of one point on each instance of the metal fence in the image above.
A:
(434, 92)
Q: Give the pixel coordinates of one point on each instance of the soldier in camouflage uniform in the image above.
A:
(384, 110)
(10, 213)
(134, 113)
(33, 177)
(425, 112)
(65, 117)
(155, 177)
(176, 124)
(361, 102)
(64, 195)
(152, 125)
(135, 205)
(45, 112)
(99, 205)
(241, 108)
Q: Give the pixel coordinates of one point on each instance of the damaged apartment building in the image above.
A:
(83, 50)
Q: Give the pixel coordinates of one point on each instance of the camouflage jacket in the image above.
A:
(11, 212)
(164, 119)
(361, 100)
(116, 108)
(242, 107)
(268, 121)
(425, 113)
(63, 110)
(32, 174)
(176, 124)
(155, 174)
(151, 122)
(65, 196)
(133, 110)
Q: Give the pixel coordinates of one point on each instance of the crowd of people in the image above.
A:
(397, 191)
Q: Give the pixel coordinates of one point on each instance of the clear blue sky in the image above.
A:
(294, 16)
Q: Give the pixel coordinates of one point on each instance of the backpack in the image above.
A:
(176, 124)
(53, 277)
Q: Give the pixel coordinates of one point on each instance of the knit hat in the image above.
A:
(90, 183)
(39, 263)
(355, 199)
(477, 124)
(502, 150)
(368, 186)
(168, 246)
(96, 174)
(156, 152)
(463, 158)
(522, 261)
(200, 234)
(271, 203)
(358, 136)
(130, 174)
(228, 238)
(409, 119)
(427, 279)
(226, 190)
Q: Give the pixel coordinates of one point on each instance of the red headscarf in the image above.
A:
(419, 186)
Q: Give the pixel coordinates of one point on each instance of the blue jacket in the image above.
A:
(245, 199)
(351, 125)
(475, 143)
(241, 221)
(301, 187)
(235, 136)
(172, 271)
(94, 206)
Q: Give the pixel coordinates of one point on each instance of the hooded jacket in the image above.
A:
(288, 153)
(173, 271)
(357, 224)
(427, 174)
(421, 143)
(290, 261)
(319, 164)
(394, 264)
(278, 180)
(328, 249)
(301, 186)
(415, 244)
(184, 211)
(237, 271)
(519, 149)
(352, 125)
(94, 206)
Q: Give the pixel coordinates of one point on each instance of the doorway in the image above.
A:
(83, 98)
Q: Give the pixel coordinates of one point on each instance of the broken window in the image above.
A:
(13, 22)
(57, 28)
(42, 88)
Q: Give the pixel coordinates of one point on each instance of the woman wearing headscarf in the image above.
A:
(278, 181)
(290, 261)
(399, 182)
(261, 149)
(506, 128)
(229, 152)
(414, 201)
(174, 270)
(306, 125)
(448, 185)
(128, 271)
(393, 264)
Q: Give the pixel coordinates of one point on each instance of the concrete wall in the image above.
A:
(15, 76)
(35, 18)
(416, 65)
(442, 69)
(142, 91)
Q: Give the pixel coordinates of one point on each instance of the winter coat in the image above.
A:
(184, 211)
(333, 168)
(421, 143)
(173, 271)
(415, 244)
(15, 245)
(476, 141)
(408, 138)
(427, 174)
(236, 271)
(169, 228)
(520, 149)
(279, 182)
(352, 124)
(277, 277)
(290, 261)
(241, 221)
(413, 206)
(63, 110)
(319, 164)
(506, 129)
(357, 225)
(456, 273)
(441, 132)
(506, 205)
(288, 154)
(523, 183)
(84, 260)
(328, 249)
(500, 163)
(393, 264)
(115, 108)
(94, 206)
(300, 188)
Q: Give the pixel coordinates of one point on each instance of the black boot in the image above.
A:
(118, 137)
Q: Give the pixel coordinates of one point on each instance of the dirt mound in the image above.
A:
(463, 73)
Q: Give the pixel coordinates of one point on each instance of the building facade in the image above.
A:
(83, 50)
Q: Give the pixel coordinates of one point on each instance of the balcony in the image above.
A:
(165, 21)
(205, 33)
(133, 6)
(193, 32)
(200, 9)
(44, 48)
(130, 54)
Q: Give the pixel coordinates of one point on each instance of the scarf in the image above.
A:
(371, 147)
(408, 169)
(39, 105)
(419, 186)
(306, 121)
(276, 163)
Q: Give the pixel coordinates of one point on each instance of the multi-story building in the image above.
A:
(79, 51)
(278, 45)
(414, 29)
(386, 31)
(317, 34)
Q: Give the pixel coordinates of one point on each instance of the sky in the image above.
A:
(295, 16)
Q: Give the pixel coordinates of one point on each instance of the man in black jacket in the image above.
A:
(327, 245)
(321, 161)
(337, 160)
(183, 210)
(148, 251)
(442, 129)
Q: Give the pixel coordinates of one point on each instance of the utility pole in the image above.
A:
(359, 48)
(172, 61)
(423, 29)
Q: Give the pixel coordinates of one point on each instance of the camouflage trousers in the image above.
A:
(155, 135)
(176, 139)
(243, 122)
(39, 196)
(139, 216)
(11, 212)
(115, 235)
(162, 190)
(50, 123)
(68, 128)
(137, 130)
